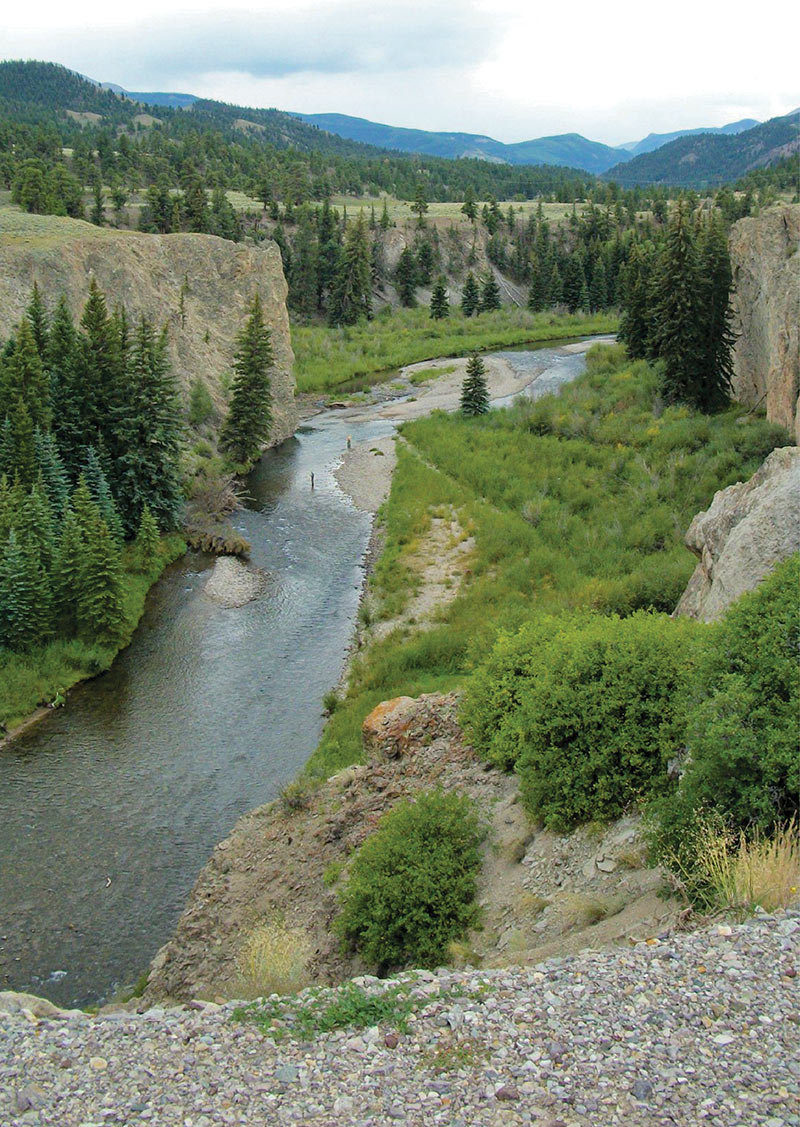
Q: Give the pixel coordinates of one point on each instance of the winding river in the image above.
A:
(110, 807)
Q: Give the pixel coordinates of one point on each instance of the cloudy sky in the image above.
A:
(511, 69)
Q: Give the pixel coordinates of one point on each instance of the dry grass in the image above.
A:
(272, 960)
(579, 910)
(745, 874)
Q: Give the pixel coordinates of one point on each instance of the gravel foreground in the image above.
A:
(699, 1028)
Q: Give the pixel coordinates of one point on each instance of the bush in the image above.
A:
(597, 717)
(742, 726)
(412, 884)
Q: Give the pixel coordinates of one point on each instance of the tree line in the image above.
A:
(89, 468)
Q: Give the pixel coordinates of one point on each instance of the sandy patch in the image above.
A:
(365, 473)
(233, 583)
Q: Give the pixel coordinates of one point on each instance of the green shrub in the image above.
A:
(412, 884)
(743, 727)
(596, 714)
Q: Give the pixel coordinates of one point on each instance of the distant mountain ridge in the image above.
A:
(569, 149)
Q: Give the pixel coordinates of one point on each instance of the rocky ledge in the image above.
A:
(697, 1028)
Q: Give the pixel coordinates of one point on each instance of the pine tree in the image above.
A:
(469, 206)
(148, 432)
(67, 576)
(26, 380)
(490, 294)
(537, 296)
(52, 471)
(351, 296)
(440, 306)
(385, 220)
(100, 595)
(35, 527)
(470, 295)
(24, 597)
(574, 283)
(715, 288)
(598, 294)
(679, 338)
(148, 542)
(102, 496)
(247, 426)
(303, 279)
(420, 203)
(405, 276)
(38, 320)
(555, 285)
(97, 372)
(637, 322)
(474, 389)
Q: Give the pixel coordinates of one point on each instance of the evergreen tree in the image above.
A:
(637, 321)
(470, 295)
(715, 288)
(679, 337)
(148, 432)
(35, 527)
(23, 445)
(148, 542)
(100, 595)
(419, 204)
(490, 294)
(406, 278)
(24, 597)
(574, 283)
(38, 320)
(65, 388)
(303, 280)
(96, 371)
(52, 470)
(247, 426)
(537, 293)
(470, 207)
(25, 377)
(555, 286)
(67, 576)
(351, 297)
(598, 294)
(385, 220)
(474, 389)
(440, 306)
(102, 496)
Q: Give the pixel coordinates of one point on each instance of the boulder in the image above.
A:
(748, 529)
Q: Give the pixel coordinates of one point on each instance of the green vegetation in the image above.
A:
(474, 390)
(741, 727)
(588, 710)
(43, 673)
(325, 358)
(322, 1011)
(411, 887)
(577, 503)
(249, 417)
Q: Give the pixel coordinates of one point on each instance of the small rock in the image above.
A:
(390, 1040)
(287, 1073)
(343, 1105)
(642, 1089)
(99, 1064)
(506, 1092)
(30, 1097)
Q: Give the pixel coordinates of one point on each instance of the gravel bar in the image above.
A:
(691, 1028)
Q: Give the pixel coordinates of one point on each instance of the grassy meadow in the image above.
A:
(326, 358)
(578, 502)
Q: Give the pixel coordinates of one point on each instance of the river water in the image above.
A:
(110, 807)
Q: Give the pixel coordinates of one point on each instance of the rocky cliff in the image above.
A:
(201, 286)
(748, 529)
(765, 256)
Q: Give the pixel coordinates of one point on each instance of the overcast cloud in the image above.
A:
(507, 68)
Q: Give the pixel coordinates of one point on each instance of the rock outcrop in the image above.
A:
(200, 285)
(765, 256)
(747, 530)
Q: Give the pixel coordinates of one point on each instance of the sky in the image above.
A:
(509, 69)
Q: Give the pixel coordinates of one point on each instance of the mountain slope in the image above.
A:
(655, 140)
(569, 149)
(709, 159)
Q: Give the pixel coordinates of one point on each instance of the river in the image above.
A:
(110, 807)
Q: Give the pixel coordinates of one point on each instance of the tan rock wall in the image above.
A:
(765, 256)
(146, 274)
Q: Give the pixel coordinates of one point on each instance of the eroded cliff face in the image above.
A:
(765, 256)
(199, 285)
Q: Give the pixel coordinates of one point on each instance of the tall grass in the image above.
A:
(35, 678)
(327, 357)
(577, 502)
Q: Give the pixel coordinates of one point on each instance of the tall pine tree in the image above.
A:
(247, 425)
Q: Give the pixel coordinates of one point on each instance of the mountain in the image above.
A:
(656, 140)
(152, 98)
(565, 149)
(707, 159)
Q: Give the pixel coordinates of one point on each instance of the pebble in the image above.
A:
(639, 1037)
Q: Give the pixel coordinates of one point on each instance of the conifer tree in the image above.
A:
(490, 294)
(25, 377)
(36, 315)
(470, 295)
(148, 542)
(474, 389)
(102, 496)
(405, 277)
(555, 285)
(96, 371)
(24, 602)
(537, 297)
(715, 288)
(440, 306)
(598, 294)
(52, 470)
(679, 339)
(303, 280)
(148, 430)
(419, 204)
(67, 575)
(469, 206)
(351, 297)
(35, 527)
(385, 220)
(247, 426)
(100, 594)
(23, 446)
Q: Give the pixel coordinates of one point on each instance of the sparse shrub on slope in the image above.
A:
(412, 885)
